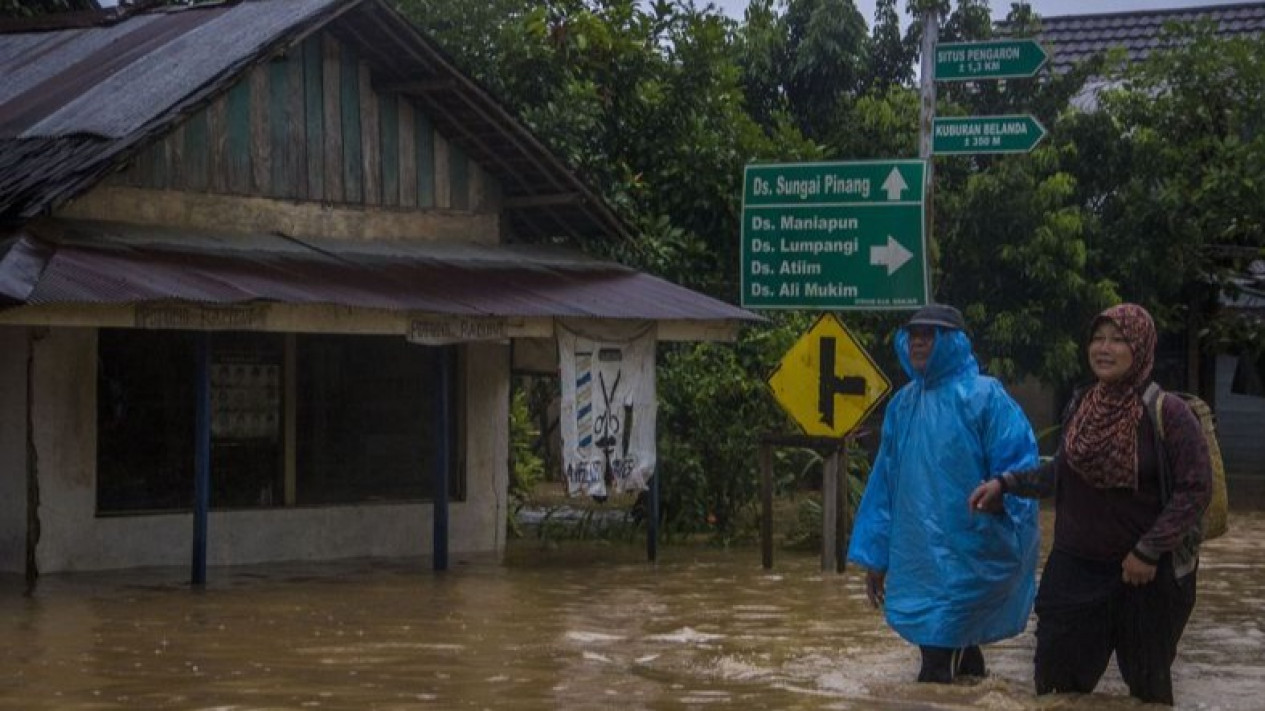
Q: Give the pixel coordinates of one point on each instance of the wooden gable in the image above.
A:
(310, 126)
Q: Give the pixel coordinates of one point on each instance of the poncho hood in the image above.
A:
(951, 357)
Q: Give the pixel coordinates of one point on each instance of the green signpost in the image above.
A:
(998, 59)
(986, 134)
(834, 236)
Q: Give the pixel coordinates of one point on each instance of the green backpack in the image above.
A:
(1213, 523)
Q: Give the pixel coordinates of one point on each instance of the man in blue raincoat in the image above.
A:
(948, 579)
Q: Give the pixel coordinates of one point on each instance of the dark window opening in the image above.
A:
(247, 465)
(365, 423)
(1248, 376)
(1170, 366)
(144, 420)
(367, 420)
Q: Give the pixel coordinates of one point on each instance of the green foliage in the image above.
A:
(1181, 197)
(1154, 197)
(805, 532)
(891, 55)
(1013, 257)
(825, 58)
(714, 404)
(881, 124)
(527, 469)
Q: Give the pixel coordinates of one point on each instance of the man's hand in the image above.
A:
(986, 497)
(1135, 571)
(875, 587)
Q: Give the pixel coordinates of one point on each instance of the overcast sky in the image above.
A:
(1046, 8)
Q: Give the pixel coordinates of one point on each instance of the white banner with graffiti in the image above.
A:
(608, 407)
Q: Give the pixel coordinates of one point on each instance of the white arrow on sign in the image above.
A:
(894, 185)
(892, 255)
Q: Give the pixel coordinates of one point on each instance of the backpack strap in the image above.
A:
(1186, 554)
(1153, 404)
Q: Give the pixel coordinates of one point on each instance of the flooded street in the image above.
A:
(581, 626)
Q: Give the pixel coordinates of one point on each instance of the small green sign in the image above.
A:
(834, 235)
(998, 59)
(986, 134)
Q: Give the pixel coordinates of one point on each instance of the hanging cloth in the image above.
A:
(608, 406)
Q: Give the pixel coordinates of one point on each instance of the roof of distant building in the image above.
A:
(1075, 38)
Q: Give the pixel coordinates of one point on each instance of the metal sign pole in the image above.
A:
(926, 126)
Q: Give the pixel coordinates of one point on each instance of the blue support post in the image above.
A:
(201, 456)
(443, 425)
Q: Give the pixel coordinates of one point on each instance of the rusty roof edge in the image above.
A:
(103, 234)
(123, 263)
(23, 259)
(475, 89)
(123, 149)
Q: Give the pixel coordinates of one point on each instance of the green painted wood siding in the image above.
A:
(310, 126)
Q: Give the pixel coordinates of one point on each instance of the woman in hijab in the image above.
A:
(1111, 583)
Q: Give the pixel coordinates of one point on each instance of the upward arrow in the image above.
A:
(894, 185)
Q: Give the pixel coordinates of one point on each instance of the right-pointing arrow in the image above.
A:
(892, 255)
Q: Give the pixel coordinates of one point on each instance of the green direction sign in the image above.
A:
(985, 134)
(834, 235)
(999, 59)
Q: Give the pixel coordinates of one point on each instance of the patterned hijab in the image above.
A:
(1101, 443)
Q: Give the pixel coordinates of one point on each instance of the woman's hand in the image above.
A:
(1135, 571)
(986, 497)
(875, 587)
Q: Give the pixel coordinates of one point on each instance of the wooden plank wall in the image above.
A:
(309, 126)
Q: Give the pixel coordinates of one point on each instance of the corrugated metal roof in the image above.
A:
(128, 81)
(1076, 38)
(111, 81)
(102, 263)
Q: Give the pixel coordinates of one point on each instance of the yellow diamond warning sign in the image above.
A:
(827, 382)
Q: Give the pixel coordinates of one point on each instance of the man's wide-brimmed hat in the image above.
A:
(941, 315)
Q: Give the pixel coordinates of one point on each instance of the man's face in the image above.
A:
(922, 340)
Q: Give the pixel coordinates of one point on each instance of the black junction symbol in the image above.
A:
(829, 384)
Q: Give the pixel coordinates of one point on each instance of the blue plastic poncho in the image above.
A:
(954, 577)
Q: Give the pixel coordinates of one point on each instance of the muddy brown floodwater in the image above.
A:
(574, 627)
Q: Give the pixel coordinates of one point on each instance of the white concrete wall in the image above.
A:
(73, 538)
(65, 409)
(487, 449)
(13, 351)
(1240, 425)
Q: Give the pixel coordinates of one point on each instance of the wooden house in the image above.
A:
(265, 270)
